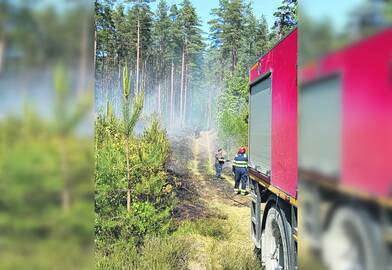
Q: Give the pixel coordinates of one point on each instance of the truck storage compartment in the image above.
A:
(319, 126)
(273, 124)
(260, 126)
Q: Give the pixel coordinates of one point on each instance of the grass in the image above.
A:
(194, 164)
(232, 255)
(211, 227)
(219, 242)
(157, 253)
(306, 262)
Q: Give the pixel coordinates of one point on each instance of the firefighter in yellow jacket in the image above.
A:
(240, 170)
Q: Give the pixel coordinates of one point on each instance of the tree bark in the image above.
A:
(129, 195)
(182, 80)
(142, 75)
(209, 110)
(95, 51)
(137, 55)
(233, 59)
(172, 94)
(185, 96)
(159, 96)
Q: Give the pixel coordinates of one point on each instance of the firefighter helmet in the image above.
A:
(242, 150)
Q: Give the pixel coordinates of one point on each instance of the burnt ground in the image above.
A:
(204, 198)
(191, 165)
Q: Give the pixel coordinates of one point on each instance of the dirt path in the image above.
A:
(204, 198)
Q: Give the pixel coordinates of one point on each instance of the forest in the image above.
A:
(46, 147)
(167, 94)
(184, 72)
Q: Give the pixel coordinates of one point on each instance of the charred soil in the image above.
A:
(207, 210)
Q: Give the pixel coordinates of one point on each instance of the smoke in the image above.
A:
(200, 102)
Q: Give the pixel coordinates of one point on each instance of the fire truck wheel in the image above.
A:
(277, 250)
(352, 241)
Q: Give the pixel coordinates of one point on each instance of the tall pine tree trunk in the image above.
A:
(159, 96)
(143, 75)
(95, 51)
(138, 55)
(172, 94)
(119, 73)
(209, 110)
(142, 80)
(185, 96)
(182, 80)
(233, 59)
(129, 195)
(159, 82)
(155, 95)
(167, 98)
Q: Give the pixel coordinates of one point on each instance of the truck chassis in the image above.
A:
(273, 223)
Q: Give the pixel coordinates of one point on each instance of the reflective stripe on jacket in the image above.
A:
(241, 161)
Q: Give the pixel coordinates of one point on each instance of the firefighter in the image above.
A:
(240, 170)
(219, 161)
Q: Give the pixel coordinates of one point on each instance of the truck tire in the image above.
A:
(311, 225)
(352, 241)
(277, 246)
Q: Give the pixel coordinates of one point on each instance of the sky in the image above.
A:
(204, 7)
(336, 10)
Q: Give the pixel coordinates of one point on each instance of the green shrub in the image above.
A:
(152, 196)
(232, 111)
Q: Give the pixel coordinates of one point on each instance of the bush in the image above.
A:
(37, 232)
(152, 196)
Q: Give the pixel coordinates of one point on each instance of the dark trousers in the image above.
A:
(218, 169)
(240, 175)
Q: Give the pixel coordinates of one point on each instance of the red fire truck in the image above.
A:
(345, 154)
(273, 154)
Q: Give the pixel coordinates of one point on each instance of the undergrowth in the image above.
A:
(157, 253)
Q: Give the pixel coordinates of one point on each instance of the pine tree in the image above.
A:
(105, 44)
(122, 36)
(191, 44)
(256, 40)
(228, 28)
(129, 122)
(174, 49)
(286, 18)
(65, 122)
(161, 36)
(141, 9)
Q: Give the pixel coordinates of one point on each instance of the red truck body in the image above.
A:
(280, 64)
(364, 69)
